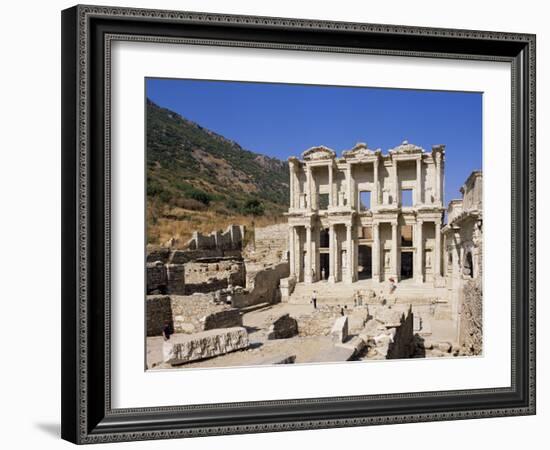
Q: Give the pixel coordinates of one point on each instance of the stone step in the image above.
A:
(257, 307)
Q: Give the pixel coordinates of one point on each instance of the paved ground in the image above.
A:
(262, 350)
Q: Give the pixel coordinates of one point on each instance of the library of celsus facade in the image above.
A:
(367, 215)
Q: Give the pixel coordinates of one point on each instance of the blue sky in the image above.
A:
(282, 120)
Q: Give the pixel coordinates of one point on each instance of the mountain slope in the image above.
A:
(204, 180)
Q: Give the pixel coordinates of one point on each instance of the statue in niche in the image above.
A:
(385, 197)
(387, 260)
(428, 259)
(341, 198)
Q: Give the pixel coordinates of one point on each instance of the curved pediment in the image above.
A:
(360, 150)
(317, 153)
(405, 147)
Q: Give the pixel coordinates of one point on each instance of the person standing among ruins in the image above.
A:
(314, 299)
(167, 330)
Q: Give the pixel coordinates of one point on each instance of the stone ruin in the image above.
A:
(471, 323)
(230, 239)
(283, 327)
(389, 335)
(181, 349)
(207, 285)
(207, 263)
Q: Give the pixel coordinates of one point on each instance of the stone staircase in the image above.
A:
(345, 294)
(340, 293)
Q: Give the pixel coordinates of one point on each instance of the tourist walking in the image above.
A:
(314, 299)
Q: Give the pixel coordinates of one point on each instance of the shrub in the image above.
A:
(253, 207)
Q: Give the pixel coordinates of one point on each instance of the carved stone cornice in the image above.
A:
(318, 153)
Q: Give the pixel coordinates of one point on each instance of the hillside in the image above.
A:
(199, 180)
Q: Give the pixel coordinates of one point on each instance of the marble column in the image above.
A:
(456, 281)
(394, 246)
(330, 186)
(309, 259)
(349, 254)
(309, 196)
(349, 188)
(375, 252)
(438, 178)
(291, 251)
(316, 253)
(418, 196)
(291, 187)
(331, 254)
(437, 256)
(375, 192)
(419, 263)
(396, 199)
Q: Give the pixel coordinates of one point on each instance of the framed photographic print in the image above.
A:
(282, 224)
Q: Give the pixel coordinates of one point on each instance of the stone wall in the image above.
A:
(287, 286)
(262, 286)
(319, 322)
(403, 345)
(156, 278)
(230, 239)
(222, 319)
(471, 319)
(270, 243)
(156, 253)
(187, 313)
(158, 310)
(175, 279)
(190, 311)
(208, 275)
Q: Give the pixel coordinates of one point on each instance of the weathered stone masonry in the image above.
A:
(367, 215)
(463, 262)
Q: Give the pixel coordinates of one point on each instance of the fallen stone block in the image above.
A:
(372, 328)
(222, 319)
(279, 359)
(444, 347)
(284, 327)
(426, 329)
(184, 348)
(389, 317)
(339, 331)
(356, 344)
(334, 354)
(417, 323)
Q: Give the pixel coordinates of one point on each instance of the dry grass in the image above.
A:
(182, 223)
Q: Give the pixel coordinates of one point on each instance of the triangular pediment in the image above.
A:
(317, 153)
(405, 147)
(359, 151)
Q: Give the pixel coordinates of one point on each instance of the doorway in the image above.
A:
(364, 269)
(324, 260)
(406, 265)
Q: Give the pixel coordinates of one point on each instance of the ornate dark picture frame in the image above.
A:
(87, 34)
